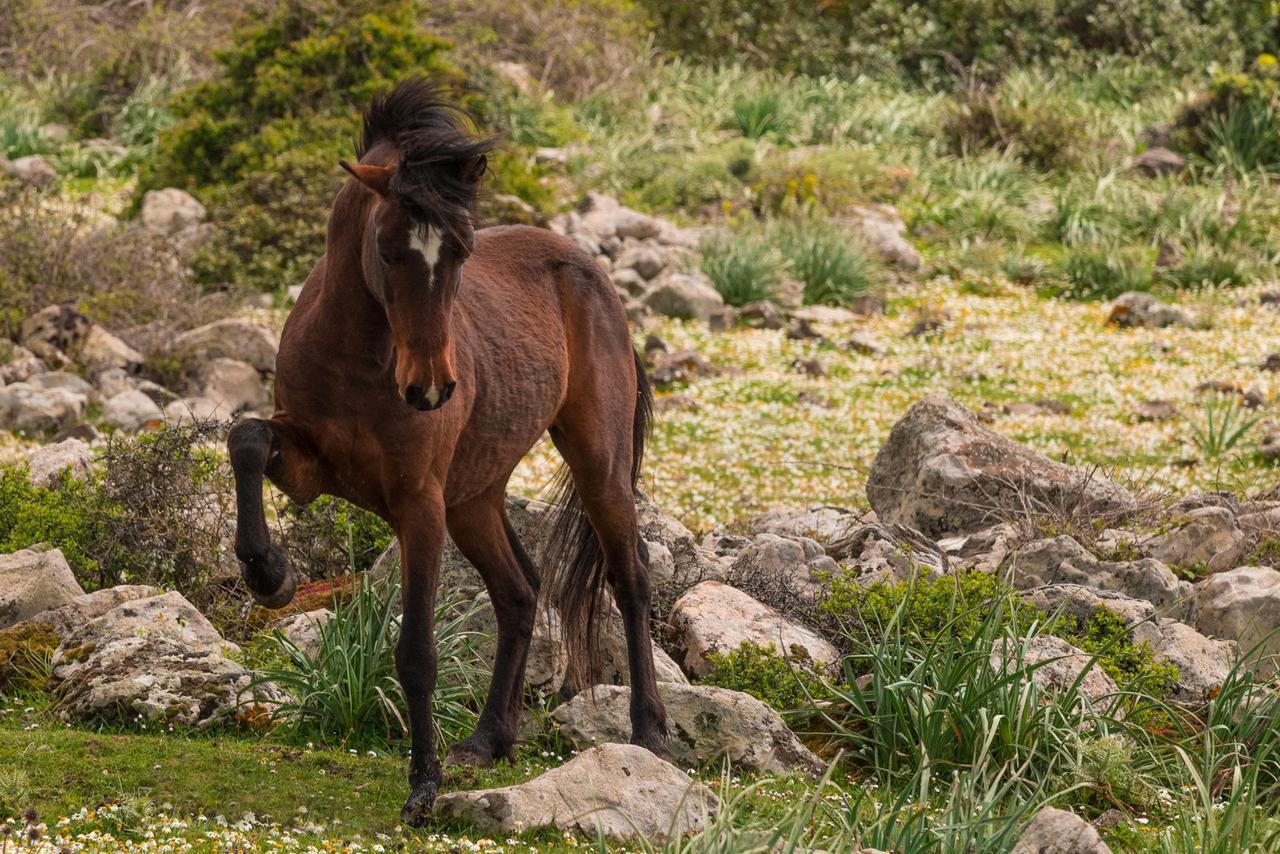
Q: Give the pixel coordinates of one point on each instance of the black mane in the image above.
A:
(441, 160)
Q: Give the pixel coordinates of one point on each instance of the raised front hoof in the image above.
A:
(271, 580)
(416, 811)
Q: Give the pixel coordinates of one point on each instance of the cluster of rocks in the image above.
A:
(64, 364)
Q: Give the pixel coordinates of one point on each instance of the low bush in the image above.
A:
(743, 267)
(1041, 132)
(260, 142)
(348, 695)
(26, 656)
(1236, 123)
(788, 686)
(1132, 665)
(832, 265)
(54, 252)
(690, 181)
(330, 537)
(1105, 272)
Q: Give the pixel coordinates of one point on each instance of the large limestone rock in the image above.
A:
(1207, 538)
(46, 465)
(686, 296)
(170, 211)
(826, 524)
(132, 411)
(230, 338)
(28, 408)
(1055, 831)
(680, 562)
(32, 582)
(67, 618)
(1242, 605)
(1062, 560)
(796, 565)
(713, 617)
(232, 385)
(941, 472)
(1203, 663)
(32, 170)
(1141, 309)
(889, 553)
(705, 723)
(614, 666)
(304, 630)
(1061, 666)
(882, 229)
(548, 659)
(618, 790)
(158, 658)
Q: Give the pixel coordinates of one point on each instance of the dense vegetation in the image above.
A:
(1004, 135)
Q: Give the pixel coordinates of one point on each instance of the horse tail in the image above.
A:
(574, 555)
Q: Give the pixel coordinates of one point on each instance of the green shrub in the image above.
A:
(689, 181)
(828, 179)
(1041, 132)
(831, 264)
(924, 607)
(119, 277)
(1104, 272)
(743, 267)
(260, 141)
(1236, 124)
(788, 686)
(348, 695)
(26, 655)
(1130, 664)
(72, 517)
(329, 537)
(759, 114)
(1207, 265)
(937, 39)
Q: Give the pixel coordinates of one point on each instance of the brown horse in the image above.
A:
(422, 361)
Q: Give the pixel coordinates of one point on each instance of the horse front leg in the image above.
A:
(421, 543)
(261, 448)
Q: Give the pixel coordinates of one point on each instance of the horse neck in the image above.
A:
(347, 300)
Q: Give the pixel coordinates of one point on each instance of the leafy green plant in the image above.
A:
(832, 265)
(1104, 272)
(760, 114)
(788, 686)
(743, 267)
(330, 536)
(1106, 634)
(1223, 423)
(348, 695)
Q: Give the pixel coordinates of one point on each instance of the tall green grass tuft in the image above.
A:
(833, 266)
(743, 267)
(348, 694)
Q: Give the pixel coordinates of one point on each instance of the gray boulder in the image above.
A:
(303, 630)
(1203, 663)
(46, 464)
(27, 408)
(1062, 560)
(1208, 537)
(617, 790)
(67, 618)
(687, 296)
(706, 723)
(230, 338)
(233, 385)
(1061, 666)
(170, 211)
(714, 618)
(32, 582)
(1242, 605)
(881, 228)
(943, 473)
(1141, 309)
(1158, 161)
(132, 411)
(32, 170)
(824, 523)
(1055, 831)
(158, 658)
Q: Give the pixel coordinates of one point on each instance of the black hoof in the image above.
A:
(270, 579)
(469, 753)
(417, 810)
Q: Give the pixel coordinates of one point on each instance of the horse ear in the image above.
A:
(475, 169)
(376, 178)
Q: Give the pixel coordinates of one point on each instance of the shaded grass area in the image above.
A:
(324, 793)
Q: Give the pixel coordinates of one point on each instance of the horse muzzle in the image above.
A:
(425, 400)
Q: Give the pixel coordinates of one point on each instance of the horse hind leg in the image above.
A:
(482, 533)
(600, 463)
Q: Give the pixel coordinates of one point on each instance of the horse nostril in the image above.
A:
(448, 391)
(415, 397)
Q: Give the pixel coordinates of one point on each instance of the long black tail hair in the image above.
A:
(573, 556)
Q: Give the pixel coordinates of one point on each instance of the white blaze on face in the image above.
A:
(426, 241)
